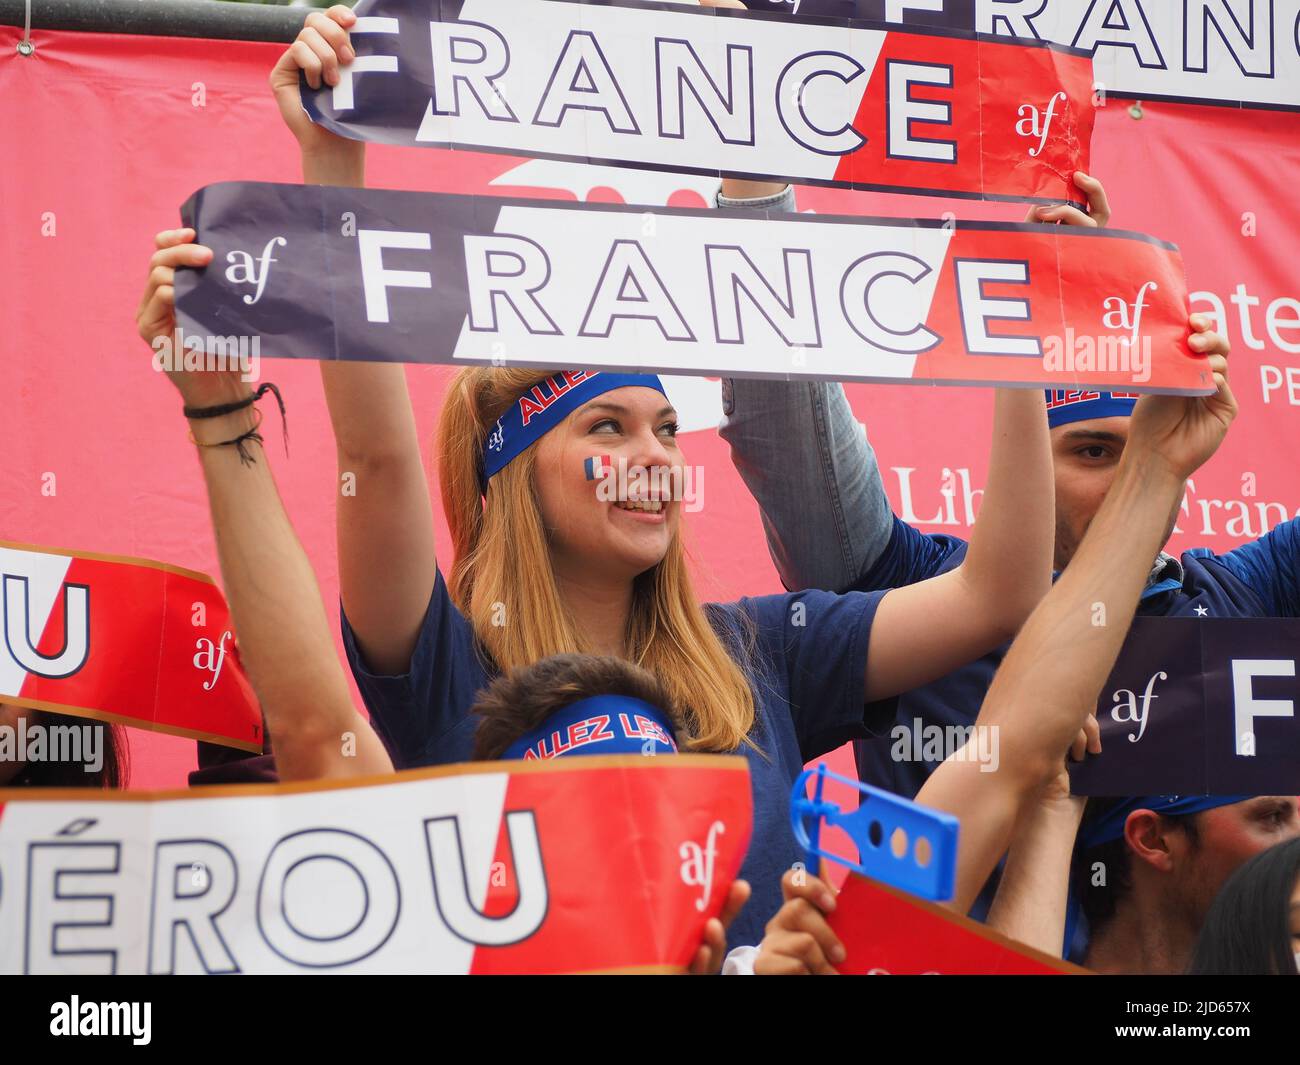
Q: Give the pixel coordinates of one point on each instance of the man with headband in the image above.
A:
(1147, 869)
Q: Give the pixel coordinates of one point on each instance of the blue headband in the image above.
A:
(602, 724)
(1110, 826)
(546, 405)
(1064, 407)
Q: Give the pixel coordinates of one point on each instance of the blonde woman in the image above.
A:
(541, 565)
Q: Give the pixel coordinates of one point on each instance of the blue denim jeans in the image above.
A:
(806, 460)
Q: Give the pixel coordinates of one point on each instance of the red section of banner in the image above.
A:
(985, 127)
(888, 933)
(113, 131)
(161, 655)
(624, 873)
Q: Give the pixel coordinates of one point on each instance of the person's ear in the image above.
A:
(1148, 836)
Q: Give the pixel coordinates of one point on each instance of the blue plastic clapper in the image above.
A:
(900, 842)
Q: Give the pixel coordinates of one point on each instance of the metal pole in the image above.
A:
(160, 18)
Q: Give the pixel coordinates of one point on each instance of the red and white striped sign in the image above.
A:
(706, 90)
(124, 640)
(495, 868)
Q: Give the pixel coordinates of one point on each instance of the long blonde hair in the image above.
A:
(501, 578)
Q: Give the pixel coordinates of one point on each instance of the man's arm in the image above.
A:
(831, 531)
(1050, 679)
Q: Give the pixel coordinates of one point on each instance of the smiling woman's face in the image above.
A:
(591, 536)
(10, 715)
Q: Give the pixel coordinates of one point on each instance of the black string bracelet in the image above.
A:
(246, 459)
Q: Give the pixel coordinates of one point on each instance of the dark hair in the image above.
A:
(1099, 901)
(73, 774)
(517, 702)
(1247, 931)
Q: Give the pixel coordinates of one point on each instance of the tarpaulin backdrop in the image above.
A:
(104, 136)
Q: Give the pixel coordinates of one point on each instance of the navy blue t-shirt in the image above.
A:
(807, 670)
(1258, 579)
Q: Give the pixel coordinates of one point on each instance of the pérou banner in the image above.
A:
(125, 640)
(705, 90)
(493, 868)
(887, 932)
(1199, 706)
(1242, 53)
(369, 274)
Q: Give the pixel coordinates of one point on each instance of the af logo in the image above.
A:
(1035, 123)
(697, 863)
(496, 440)
(245, 270)
(211, 657)
(1116, 314)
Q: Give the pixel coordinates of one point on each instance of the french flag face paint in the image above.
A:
(598, 467)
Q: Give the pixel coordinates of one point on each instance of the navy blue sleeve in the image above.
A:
(1271, 566)
(422, 715)
(911, 556)
(819, 640)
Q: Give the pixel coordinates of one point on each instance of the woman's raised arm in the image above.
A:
(384, 512)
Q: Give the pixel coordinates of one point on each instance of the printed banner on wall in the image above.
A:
(369, 274)
(708, 90)
(1199, 706)
(125, 640)
(493, 868)
(1238, 52)
(887, 932)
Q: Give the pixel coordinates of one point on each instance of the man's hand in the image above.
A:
(318, 51)
(798, 941)
(1182, 432)
(713, 946)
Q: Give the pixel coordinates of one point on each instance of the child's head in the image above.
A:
(576, 704)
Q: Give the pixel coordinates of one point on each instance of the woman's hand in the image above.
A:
(319, 50)
(713, 944)
(1098, 214)
(155, 319)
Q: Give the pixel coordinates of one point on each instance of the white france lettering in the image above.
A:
(904, 110)
(1250, 46)
(582, 80)
(190, 904)
(327, 898)
(678, 67)
(856, 302)
(977, 309)
(473, 55)
(793, 315)
(376, 280)
(630, 287)
(69, 901)
(341, 98)
(1130, 30)
(514, 269)
(792, 90)
(1011, 18)
(451, 882)
(896, 9)
(1246, 707)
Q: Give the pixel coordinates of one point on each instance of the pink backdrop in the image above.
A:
(106, 135)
